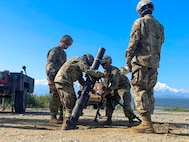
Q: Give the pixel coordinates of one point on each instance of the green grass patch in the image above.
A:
(176, 109)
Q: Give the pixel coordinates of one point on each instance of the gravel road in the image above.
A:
(34, 126)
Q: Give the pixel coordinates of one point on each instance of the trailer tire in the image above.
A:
(20, 103)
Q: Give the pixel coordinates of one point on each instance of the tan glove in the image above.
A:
(125, 70)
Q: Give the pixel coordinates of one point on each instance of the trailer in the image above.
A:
(15, 85)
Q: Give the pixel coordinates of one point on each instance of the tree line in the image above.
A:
(40, 101)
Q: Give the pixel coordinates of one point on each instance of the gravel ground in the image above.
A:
(34, 126)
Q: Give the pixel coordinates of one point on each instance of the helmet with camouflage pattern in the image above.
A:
(145, 7)
(106, 59)
(67, 39)
(88, 58)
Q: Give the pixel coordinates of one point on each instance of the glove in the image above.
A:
(125, 70)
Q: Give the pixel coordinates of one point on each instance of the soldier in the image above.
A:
(69, 73)
(56, 57)
(146, 39)
(117, 87)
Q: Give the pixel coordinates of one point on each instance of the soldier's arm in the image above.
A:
(114, 80)
(134, 39)
(81, 80)
(87, 70)
(51, 66)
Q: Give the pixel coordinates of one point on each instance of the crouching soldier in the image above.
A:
(70, 72)
(117, 86)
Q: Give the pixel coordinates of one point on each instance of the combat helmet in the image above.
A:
(67, 39)
(88, 58)
(145, 7)
(106, 59)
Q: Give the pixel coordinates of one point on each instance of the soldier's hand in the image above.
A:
(125, 70)
(93, 91)
(129, 67)
(103, 95)
(79, 92)
(104, 88)
(50, 83)
(106, 75)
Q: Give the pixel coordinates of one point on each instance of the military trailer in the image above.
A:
(15, 85)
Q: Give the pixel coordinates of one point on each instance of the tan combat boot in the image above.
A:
(146, 126)
(60, 117)
(54, 120)
(64, 124)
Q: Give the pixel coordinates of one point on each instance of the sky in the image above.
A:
(29, 28)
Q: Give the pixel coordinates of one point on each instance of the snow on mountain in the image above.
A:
(162, 87)
(162, 90)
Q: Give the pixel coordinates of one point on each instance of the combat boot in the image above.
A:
(131, 122)
(60, 117)
(54, 120)
(64, 124)
(146, 126)
(108, 121)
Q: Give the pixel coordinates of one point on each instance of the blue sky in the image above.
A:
(29, 28)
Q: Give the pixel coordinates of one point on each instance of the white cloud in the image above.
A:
(41, 82)
(45, 83)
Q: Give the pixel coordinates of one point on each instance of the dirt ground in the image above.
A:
(34, 126)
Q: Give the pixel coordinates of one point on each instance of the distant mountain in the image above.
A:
(164, 91)
(161, 90)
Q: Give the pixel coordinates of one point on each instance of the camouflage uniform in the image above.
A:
(146, 39)
(119, 89)
(69, 73)
(56, 57)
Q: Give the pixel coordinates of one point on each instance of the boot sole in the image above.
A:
(148, 131)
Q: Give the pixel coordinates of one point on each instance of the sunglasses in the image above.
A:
(103, 64)
(68, 44)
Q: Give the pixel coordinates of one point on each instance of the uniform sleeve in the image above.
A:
(112, 82)
(81, 80)
(95, 73)
(163, 36)
(134, 38)
(114, 79)
(50, 65)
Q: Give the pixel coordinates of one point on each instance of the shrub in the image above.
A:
(177, 109)
(41, 101)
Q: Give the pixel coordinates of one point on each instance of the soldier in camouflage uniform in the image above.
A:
(69, 73)
(56, 57)
(117, 87)
(146, 39)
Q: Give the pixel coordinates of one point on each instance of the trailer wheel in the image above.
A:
(20, 103)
